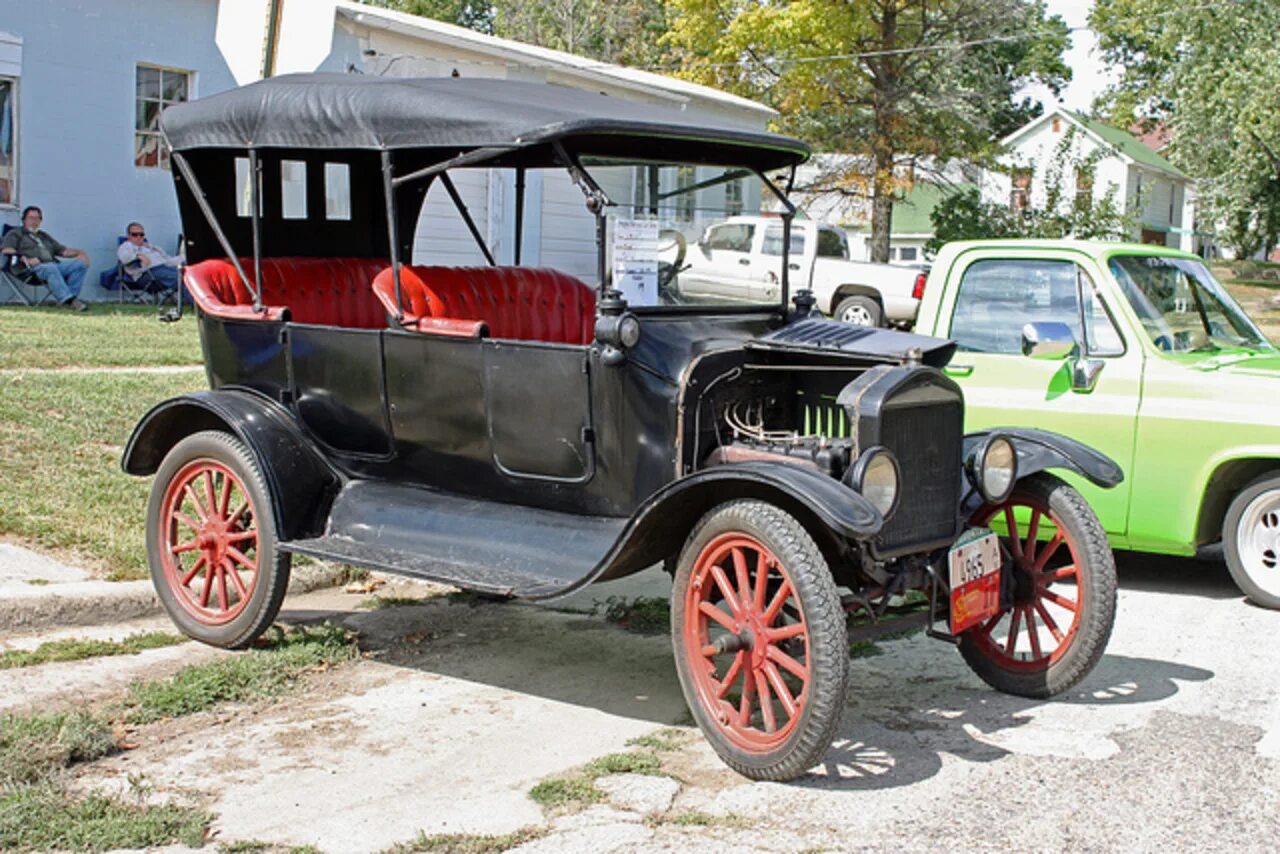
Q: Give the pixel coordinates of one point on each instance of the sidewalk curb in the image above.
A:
(96, 603)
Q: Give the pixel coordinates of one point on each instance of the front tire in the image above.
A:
(211, 542)
(859, 311)
(760, 640)
(1251, 540)
(1062, 606)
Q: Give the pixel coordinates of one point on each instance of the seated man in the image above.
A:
(138, 255)
(60, 267)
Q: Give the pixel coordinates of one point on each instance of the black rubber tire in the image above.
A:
(864, 304)
(273, 565)
(819, 601)
(1097, 569)
(1240, 572)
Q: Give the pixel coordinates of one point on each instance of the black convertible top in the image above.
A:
(356, 111)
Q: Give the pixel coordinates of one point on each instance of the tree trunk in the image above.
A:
(881, 208)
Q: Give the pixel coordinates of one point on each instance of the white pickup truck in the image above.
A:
(741, 258)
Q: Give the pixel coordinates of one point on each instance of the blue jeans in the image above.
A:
(165, 275)
(64, 277)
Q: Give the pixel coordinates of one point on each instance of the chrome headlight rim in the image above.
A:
(981, 464)
(857, 476)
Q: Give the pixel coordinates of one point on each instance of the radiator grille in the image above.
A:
(926, 439)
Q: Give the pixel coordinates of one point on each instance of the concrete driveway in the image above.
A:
(460, 707)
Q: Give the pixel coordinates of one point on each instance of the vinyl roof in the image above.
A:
(356, 111)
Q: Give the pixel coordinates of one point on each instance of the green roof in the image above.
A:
(1128, 144)
(913, 213)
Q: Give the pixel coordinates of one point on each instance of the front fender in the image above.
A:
(1038, 450)
(300, 481)
(660, 526)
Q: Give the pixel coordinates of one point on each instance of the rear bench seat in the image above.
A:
(521, 303)
(323, 291)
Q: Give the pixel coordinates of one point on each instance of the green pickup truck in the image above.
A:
(1140, 353)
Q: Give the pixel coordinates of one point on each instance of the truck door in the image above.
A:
(990, 298)
(767, 274)
(724, 270)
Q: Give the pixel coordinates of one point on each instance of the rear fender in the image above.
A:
(302, 484)
(829, 510)
(1040, 450)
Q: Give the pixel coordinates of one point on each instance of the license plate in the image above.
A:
(974, 562)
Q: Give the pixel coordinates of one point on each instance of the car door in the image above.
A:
(994, 297)
(721, 265)
(768, 273)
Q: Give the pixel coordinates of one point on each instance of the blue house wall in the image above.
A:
(76, 103)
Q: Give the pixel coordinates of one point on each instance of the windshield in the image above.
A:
(690, 235)
(1182, 306)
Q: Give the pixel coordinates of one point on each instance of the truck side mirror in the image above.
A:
(1051, 341)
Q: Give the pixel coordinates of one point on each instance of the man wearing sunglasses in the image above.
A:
(139, 256)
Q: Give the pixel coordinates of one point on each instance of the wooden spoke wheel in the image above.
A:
(760, 640)
(1059, 596)
(211, 541)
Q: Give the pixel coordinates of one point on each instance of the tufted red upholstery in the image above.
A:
(326, 291)
(522, 303)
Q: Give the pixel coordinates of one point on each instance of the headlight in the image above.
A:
(997, 469)
(875, 477)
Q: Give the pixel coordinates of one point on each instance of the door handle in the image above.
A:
(958, 370)
(793, 266)
(744, 261)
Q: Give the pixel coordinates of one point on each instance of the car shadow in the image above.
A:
(906, 708)
(1205, 577)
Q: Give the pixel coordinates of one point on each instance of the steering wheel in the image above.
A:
(670, 240)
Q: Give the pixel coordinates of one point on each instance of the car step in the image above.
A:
(502, 549)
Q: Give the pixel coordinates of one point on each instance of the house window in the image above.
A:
(1084, 189)
(156, 89)
(908, 253)
(686, 176)
(8, 142)
(733, 197)
(1020, 197)
(1057, 125)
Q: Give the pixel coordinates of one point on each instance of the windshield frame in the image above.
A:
(1205, 284)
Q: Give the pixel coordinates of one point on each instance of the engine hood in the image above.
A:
(819, 335)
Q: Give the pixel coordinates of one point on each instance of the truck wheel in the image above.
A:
(859, 311)
(211, 542)
(1063, 599)
(760, 640)
(1251, 540)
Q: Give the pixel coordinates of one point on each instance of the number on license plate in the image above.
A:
(974, 564)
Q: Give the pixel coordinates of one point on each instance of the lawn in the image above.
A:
(1256, 294)
(108, 335)
(61, 486)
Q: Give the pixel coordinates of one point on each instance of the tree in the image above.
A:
(930, 80)
(1210, 73)
(473, 14)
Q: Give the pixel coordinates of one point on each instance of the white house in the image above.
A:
(82, 82)
(1159, 194)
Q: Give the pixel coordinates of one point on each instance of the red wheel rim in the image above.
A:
(1040, 626)
(209, 541)
(746, 642)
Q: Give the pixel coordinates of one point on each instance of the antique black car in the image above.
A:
(509, 429)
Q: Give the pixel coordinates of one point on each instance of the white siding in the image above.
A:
(442, 237)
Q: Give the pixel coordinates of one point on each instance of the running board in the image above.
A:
(501, 549)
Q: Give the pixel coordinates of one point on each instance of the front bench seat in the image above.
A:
(520, 303)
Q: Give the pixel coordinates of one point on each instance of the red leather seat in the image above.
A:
(324, 291)
(522, 303)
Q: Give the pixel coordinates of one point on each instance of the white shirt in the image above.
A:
(131, 253)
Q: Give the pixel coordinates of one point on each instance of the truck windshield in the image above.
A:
(1182, 306)
(688, 235)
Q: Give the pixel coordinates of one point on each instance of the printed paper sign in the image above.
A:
(635, 260)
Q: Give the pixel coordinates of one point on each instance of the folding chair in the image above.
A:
(140, 286)
(19, 279)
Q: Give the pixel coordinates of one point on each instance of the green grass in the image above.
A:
(466, 843)
(646, 615)
(864, 649)
(376, 603)
(635, 762)
(106, 336)
(46, 817)
(263, 672)
(75, 649)
(34, 747)
(61, 486)
(664, 740)
(577, 790)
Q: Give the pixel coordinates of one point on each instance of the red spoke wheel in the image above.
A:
(1060, 592)
(211, 541)
(760, 640)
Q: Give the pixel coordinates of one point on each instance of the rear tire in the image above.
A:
(1025, 649)
(760, 640)
(859, 311)
(1251, 541)
(211, 542)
